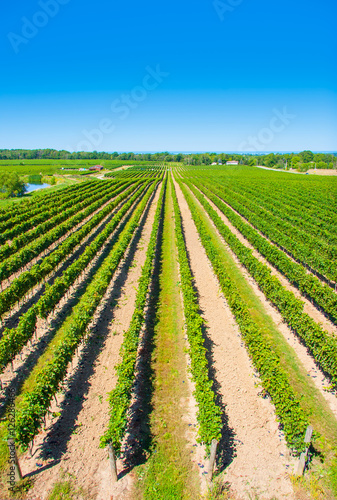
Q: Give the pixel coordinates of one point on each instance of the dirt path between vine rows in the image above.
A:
(15, 374)
(307, 268)
(11, 318)
(70, 444)
(307, 360)
(8, 281)
(309, 308)
(254, 451)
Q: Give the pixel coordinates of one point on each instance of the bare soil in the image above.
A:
(47, 251)
(15, 374)
(313, 370)
(70, 442)
(309, 307)
(254, 456)
(322, 171)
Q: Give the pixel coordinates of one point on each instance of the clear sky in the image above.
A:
(181, 75)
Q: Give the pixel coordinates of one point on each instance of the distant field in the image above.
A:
(48, 167)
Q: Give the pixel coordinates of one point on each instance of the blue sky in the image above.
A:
(185, 75)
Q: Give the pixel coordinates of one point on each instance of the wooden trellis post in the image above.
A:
(304, 455)
(212, 458)
(113, 465)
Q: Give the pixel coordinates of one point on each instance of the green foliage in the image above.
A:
(35, 179)
(10, 185)
(120, 397)
(30, 206)
(14, 339)
(310, 285)
(209, 414)
(288, 230)
(50, 160)
(322, 345)
(307, 156)
(51, 215)
(274, 378)
(34, 403)
(27, 279)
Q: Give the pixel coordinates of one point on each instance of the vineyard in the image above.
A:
(170, 333)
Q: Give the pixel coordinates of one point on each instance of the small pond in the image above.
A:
(35, 187)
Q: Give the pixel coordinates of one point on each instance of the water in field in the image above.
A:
(33, 187)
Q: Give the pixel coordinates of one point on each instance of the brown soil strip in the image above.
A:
(71, 440)
(293, 340)
(322, 171)
(48, 250)
(309, 308)
(307, 268)
(11, 318)
(45, 331)
(254, 453)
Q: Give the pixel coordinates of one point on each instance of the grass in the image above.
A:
(20, 490)
(169, 472)
(320, 414)
(65, 489)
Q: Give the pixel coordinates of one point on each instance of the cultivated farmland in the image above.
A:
(161, 315)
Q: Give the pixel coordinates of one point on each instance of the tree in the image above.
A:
(11, 185)
(307, 156)
(295, 160)
(270, 160)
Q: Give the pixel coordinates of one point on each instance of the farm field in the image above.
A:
(161, 313)
(58, 174)
(50, 166)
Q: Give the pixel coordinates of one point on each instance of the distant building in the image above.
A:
(232, 163)
(220, 163)
(214, 163)
(96, 168)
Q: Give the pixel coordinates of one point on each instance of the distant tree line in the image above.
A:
(300, 161)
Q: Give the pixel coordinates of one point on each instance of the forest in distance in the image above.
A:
(300, 160)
